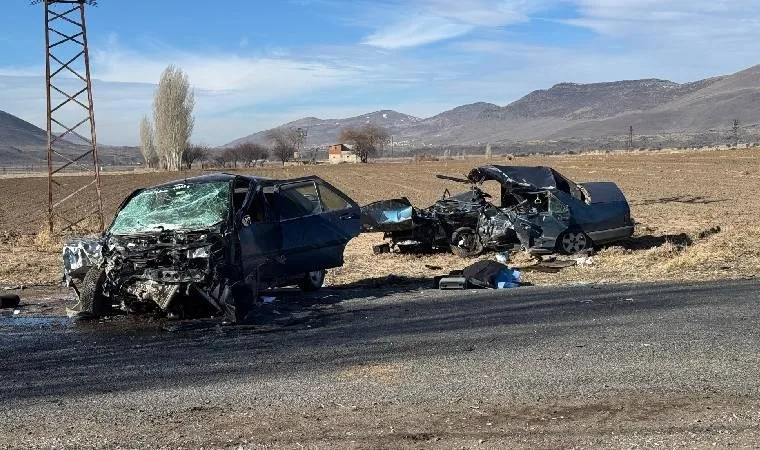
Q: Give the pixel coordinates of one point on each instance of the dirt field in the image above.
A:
(676, 199)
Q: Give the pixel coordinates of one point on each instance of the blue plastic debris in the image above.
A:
(399, 215)
(507, 278)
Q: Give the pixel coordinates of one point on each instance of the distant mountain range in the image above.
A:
(566, 111)
(24, 144)
(567, 114)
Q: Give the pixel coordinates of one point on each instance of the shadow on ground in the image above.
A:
(649, 241)
(684, 199)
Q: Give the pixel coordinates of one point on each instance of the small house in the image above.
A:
(341, 153)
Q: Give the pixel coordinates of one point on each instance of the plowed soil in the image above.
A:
(679, 200)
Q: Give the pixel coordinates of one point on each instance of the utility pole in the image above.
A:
(71, 205)
(630, 137)
(301, 134)
(735, 132)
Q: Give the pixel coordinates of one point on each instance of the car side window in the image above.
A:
(556, 206)
(332, 200)
(298, 200)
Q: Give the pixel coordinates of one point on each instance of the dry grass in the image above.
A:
(674, 197)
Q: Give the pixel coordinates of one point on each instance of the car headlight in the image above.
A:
(199, 252)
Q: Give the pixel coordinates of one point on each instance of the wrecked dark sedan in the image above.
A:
(539, 210)
(205, 246)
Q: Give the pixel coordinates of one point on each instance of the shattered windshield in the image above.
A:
(179, 206)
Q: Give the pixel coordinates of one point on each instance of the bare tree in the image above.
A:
(220, 160)
(147, 148)
(365, 139)
(194, 153)
(284, 141)
(248, 153)
(173, 105)
(232, 155)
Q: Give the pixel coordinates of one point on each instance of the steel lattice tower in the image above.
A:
(69, 107)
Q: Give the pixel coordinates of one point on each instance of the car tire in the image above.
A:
(237, 302)
(573, 241)
(465, 243)
(91, 298)
(312, 281)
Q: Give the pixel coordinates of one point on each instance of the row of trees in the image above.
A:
(247, 154)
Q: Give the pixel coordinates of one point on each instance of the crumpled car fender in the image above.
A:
(79, 255)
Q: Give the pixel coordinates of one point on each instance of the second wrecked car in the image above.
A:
(204, 246)
(539, 210)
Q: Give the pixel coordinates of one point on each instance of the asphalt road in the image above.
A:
(587, 366)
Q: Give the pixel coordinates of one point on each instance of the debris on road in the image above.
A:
(489, 274)
(482, 274)
(452, 282)
(9, 301)
(549, 266)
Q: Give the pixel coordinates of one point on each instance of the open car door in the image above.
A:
(317, 221)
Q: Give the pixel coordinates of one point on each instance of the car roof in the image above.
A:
(523, 177)
(216, 178)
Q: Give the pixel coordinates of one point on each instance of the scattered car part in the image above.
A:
(381, 248)
(9, 301)
(457, 282)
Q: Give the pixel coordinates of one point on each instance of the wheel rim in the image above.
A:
(573, 242)
(316, 277)
(466, 241)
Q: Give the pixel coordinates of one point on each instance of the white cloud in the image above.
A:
(237, 95)
(436, 20)
(679, 39)
(418, 30)
(666, 20)
(21, 71)
(260, 77)
(124, 82)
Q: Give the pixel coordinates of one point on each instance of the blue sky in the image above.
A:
(255, 64)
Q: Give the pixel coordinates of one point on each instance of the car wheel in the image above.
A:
(465, 243)
(91, 298)
(312, 281)
(573, 241)
(236, 302)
